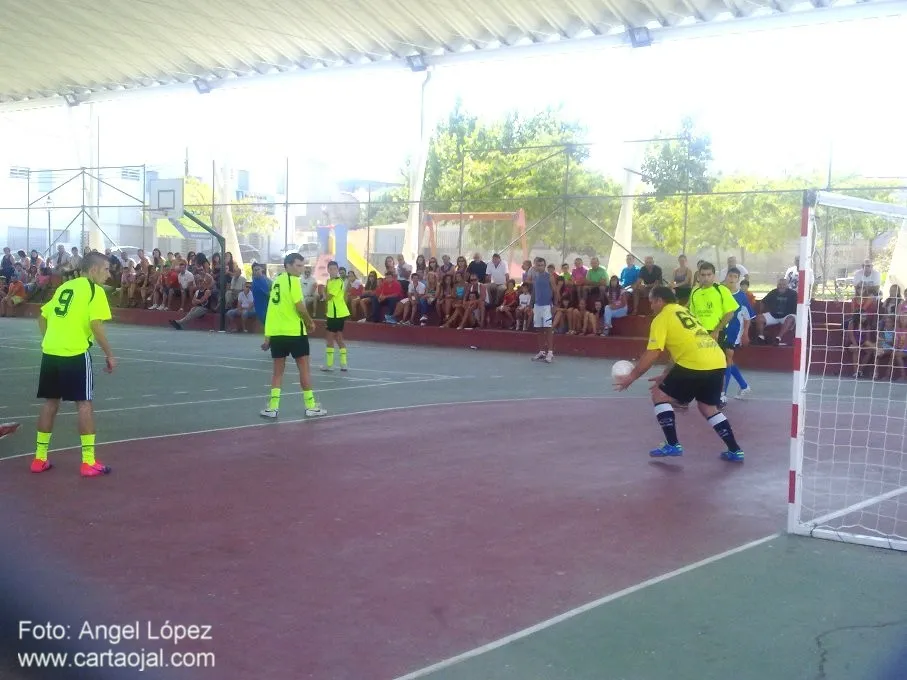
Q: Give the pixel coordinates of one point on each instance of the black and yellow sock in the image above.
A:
(343, 356)
(87, 448)
(42, 445)
(329, 356)
(274, 401)
(308, 397)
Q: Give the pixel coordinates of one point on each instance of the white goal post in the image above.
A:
(848, 451)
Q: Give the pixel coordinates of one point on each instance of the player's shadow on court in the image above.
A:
(668, 467)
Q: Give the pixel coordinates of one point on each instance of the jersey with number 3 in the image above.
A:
(676, 330)
(283, 317)
(69, 314)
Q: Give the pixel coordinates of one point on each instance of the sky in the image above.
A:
(774, 103)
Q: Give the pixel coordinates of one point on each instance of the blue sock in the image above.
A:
(728, 372)
(738, 376)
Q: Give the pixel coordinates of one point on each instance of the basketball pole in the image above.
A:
(222, 283)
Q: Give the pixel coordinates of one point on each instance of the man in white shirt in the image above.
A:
(496, 276)
(731, 263)
(187, 285)
(793, 274)
(309, 289)
(869, 278)
(245, 307)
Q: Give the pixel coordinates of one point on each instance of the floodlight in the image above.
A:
(71, 99)
(640, 36)
(417, 63)
(202, 86)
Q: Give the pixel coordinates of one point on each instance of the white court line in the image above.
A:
(272, 423)
(243, 398)
(526, 632)
(177, 353)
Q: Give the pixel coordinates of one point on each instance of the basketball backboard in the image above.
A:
(165, 197)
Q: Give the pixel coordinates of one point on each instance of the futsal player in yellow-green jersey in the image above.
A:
(696, 371)
(336, 314)
(286, 334)
(711, 303)
(70, 324)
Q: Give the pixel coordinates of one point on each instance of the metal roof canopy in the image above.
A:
(77, 51)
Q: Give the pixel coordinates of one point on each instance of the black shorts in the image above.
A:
(283, 346)
(725, 343)
(66, 378)
(334, 325)
(684, 385)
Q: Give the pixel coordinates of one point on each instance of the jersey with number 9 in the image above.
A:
(283, 317)
(69, 314)
(676, 330)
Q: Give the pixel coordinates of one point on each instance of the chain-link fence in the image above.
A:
(552, 201)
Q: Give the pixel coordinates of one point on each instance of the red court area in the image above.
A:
(368, 546)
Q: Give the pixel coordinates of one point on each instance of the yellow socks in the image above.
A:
(329, 356)
(87, 448)
(42, 445)
(343, 356)
(308, 396)
(274, 402)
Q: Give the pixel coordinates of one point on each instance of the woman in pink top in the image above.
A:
(615, 303)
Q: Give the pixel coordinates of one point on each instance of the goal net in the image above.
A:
(848, 478)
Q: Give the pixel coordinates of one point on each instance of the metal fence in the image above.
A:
(520, 203)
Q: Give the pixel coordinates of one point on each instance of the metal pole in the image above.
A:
(566, 192)
(83, 208)
(28, 209)
(686, 194)
(462, 189)
(368, 231)
(286, 203)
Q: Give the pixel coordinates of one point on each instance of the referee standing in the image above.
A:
(70, 323)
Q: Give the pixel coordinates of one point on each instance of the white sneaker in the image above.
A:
(343, 368)
(269, 413)
(539, 357)
(744, 393)
(549, 357)
(315, 412)
(327, 369)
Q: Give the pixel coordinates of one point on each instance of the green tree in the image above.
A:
(248, 217)
(679, 163)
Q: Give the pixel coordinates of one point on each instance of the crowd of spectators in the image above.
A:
(454, 294)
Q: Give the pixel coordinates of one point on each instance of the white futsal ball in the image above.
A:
(621, 369)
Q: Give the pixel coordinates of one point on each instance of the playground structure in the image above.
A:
(334, 243)
(518, 218)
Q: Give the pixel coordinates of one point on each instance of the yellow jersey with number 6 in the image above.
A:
(69, 314)
(676, 330)
(283, 318)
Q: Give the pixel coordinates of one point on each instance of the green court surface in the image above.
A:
(777, 608)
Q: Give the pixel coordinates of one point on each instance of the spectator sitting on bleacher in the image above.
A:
(414, 304)
(497, 276)
(309, 289)
(187, 284)
(367, 300)
(404, 271)
(167, 287)
(389, 293)
(203, 301)
(244, 309)
(236, 282)
(629, 274)
(869, 278)
(647, 278)
(127, 284)
(73, 267)
(15, 296)
(614, 304)
(778, 307)
(60, 260)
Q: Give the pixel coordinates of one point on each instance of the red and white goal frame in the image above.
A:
(860, 496)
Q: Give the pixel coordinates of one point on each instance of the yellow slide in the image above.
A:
(358, 262)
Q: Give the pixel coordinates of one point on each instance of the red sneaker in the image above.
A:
(8, 429)
(38, 465)
(95, 470)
